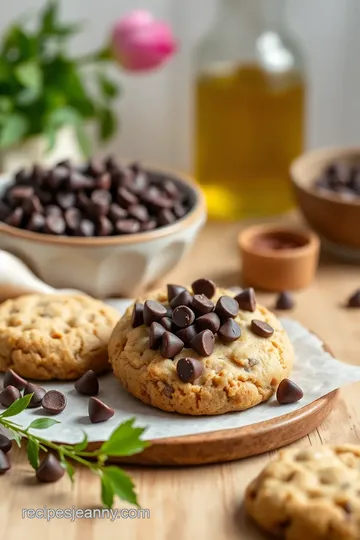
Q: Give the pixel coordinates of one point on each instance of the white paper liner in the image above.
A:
(315, 371)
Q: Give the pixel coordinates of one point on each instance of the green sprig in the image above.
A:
(124, 441)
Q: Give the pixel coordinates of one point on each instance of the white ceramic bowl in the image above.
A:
(108, 266)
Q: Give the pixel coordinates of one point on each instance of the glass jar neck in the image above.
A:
(260, 14)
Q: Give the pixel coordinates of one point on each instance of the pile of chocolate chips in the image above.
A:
(342, 178)
(101, 199)
(194, 321)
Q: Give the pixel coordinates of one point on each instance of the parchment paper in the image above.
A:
(316, 372)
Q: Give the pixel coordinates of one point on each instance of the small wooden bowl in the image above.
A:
(277, 257)
(336, 220)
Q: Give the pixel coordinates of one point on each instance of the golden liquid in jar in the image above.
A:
(249, 127)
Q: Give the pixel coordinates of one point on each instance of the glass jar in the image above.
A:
(250, 90)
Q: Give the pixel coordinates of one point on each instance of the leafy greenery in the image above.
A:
(124, 441)
(43, 88)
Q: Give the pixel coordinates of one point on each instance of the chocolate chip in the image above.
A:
(354, 300)
(55, 225)
(99, 411)
(155, 335)
(182, 299)
(169, 312)
(13, 379)
(36, 222)
(18, 194)
(46, 197)
(148, 225)
(54, 402)
(261, 328)
(179, 210)
(170, 189)
(79, 181)
(4, 211)
(15, 218)
(38, 394)
(5, 444)
(226, 307)
(174, 290)
(183, 316)
(125, 198)
(88, 384)
(202, 305)
(204, 286)
(33, 205)
(156, 200)
(288, 392)
(203, 343)
(50, 470)
(187, 334)
(100, 202)
(209, 321)
(9, 395)
(171, 345)
(153, 312)
(57, 178)
(166, 323)
(139, 212)
(72, 219)
(65, 199)
(4, 463)
(137, 318)
(86, 228)
(189, 369)
(284, 301)
(103, 181)
(229, 331)
(139, 183)
(116, 212)
(53, 210)
(105, 227)
(165, 217)
(127, 226)
(246, 300)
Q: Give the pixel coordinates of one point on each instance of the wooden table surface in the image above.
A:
(200, 502)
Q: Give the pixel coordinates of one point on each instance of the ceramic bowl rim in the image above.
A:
(198, 210)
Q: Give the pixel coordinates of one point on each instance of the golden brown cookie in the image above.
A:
(54, 336)
(236, 376)
(309, 494)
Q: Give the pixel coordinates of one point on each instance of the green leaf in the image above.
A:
(69, 470)
(83, 140)
(6, 104)
(13, 129)
(18, 45)
(43, 423)
(50, 24)
(29, 75)
(107, 491)
(63, 116)
(125, 440)
(121, 483)
(33, 453)
(81, 446)
(17, 407)
(103, 54)
(107, 122)
(108, 87)
(26, 97)
(17, 437)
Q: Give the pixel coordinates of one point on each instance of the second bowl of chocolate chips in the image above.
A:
(105, 228)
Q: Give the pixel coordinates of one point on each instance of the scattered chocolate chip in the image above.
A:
(354, 300)
(9, 395)
(187, 334)
(204, 286)
(202, 305)
(226, 307)
(13, 379)
(155, 335)
(99, 411)
(88, 384)
(166, 323)
(284, 301)
(246, 300)
(288, 392)
(4, 463)
(171, 345)
(5, 444)
(182, 299)
(50, 469)
(153, 312)
(229, 331)
(189, 369)
(174, 290)
(38, 394)
(127, 226)
(137, 318)
(209, 321)
(54, 402)
(203, 343)
(183, 316)
(261, 328)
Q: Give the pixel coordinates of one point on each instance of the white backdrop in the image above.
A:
(156, 110)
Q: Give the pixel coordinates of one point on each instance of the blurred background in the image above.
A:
(156, 108)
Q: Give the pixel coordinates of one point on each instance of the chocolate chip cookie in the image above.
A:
(200, 351)
(54, 336)
(311, 494)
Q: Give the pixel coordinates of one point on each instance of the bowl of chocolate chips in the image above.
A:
(327, 188)
(105, 228)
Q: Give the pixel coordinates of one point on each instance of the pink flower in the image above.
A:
(141, 43)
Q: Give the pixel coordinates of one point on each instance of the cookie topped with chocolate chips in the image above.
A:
(198, 352)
